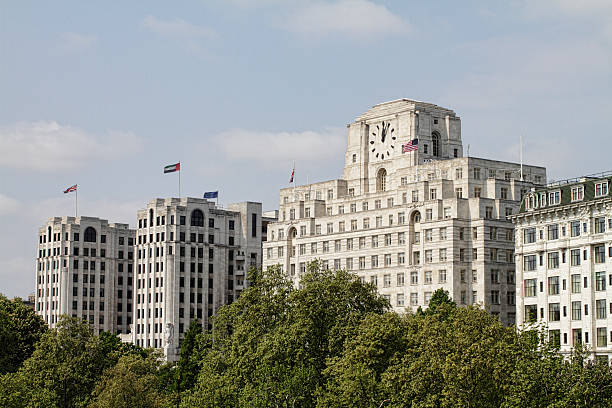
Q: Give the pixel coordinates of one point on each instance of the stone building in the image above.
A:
(84, 268)
(564, 262)
(411, 213)
(191, 258)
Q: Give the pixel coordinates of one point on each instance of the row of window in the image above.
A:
(548, 198)
(577, 308)
(576, 284)
(90, 235)
(529, 234)
(196, 220)
(553, 260)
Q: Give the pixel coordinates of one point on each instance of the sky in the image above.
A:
(105, 94)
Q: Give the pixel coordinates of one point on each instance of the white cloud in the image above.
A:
(74, 42)
(50, 146)
(8, 205)
(176, 28)
(354, 18)
(282, 147)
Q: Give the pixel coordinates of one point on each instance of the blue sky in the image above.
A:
(105, 94)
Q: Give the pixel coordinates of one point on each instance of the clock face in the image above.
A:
(382, 140)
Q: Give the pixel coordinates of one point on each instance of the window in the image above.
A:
(529, 262)
(602, 340)
(495, 297)
(428, 214)
(575, 257)
(504, 193)
(554, 314)
(459, 192)
(374, 241)
(442, 255)
(89, 236)
(400, 299)
(428, 277)
(601, 189)
(374, 261)
(577, 193)
(600, 281)
(400, 279)
(531, 313)
(553, 231)
(600, 253)
(476, 172)
(553, 260)
(197, 218)
(530, 287)
(576, 287)
(442, 276)
(554, 198)
(415, 196)
(443, 234)
(575, 228)
(433, 193)
(414, 278)
(553, 285)
(435, 144)
(488, 212)
(414, 299)
(477, 192)
(576, 310)
(374, 280)
(387, 280)
(381, 180)
(447, 212)
(600, 309)
(600, 225)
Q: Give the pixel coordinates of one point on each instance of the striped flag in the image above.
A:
(70, 189)
(172, 168)
(292, 174)
(410, 146)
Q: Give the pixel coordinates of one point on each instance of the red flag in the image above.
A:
(70, 189)
(292, 174)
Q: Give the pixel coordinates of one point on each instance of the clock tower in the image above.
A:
(396, 135)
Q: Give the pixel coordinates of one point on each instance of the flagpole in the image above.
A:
(76, 201)
(521, 147)
(179, 172)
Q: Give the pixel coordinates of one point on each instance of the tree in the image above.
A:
(271, 346)
(20, 329)
(63, 369)
(135, 381)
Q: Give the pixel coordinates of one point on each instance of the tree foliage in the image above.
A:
(20, 329)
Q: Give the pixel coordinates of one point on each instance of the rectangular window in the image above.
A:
(554, 312)
(576, 287)
(529, 262)
(600, 225)
(553, 260)
(553, 285)
(600, 253)
(529, 235)
(553, 231)
(530, 287)
(575, 257)
(600, 309)
(577, 193)
(400, 279)
(576, 310)
(601, 189)
(575, 228)
(600, 281)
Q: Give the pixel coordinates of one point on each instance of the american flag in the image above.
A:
(70, 189)
(410, 146)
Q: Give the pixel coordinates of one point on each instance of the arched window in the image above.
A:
(435, 142)
(90, 235)
(416, 217)
(381, 180)
(197, 218)
(292, 233)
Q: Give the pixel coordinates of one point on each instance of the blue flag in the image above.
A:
(211, 194)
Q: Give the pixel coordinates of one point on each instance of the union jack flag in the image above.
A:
(410, 146)
(70, 189)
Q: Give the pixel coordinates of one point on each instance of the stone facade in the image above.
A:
(564, 262)
(192, 257)
(84, 269)
(409, 221)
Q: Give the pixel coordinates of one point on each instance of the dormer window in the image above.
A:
(577, 193)
(554, 197)
(601, 189)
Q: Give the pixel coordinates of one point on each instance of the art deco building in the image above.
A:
(85, 269)
(192, 257)
(564, 262)
(408, 216)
